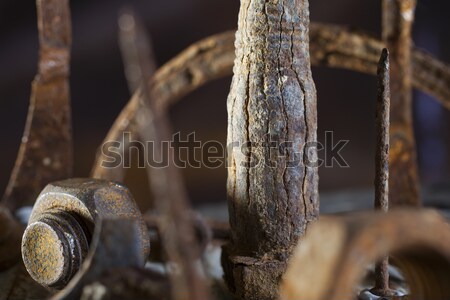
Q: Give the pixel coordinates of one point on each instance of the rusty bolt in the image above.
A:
(57, 239)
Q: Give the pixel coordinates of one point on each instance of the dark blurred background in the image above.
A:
(99, 90)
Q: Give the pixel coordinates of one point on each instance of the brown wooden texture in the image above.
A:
(272, 118)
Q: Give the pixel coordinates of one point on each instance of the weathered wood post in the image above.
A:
(272, 158)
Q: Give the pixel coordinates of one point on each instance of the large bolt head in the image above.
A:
(61, 224)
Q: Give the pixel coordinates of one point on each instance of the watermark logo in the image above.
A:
(183, 152)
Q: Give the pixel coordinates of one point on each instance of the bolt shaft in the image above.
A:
(54, 247)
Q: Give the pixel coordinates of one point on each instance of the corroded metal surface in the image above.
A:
(117, 243)
(332, 259)
(53, 248)
(171, 199)
(45, 154)
(207, 60)
(213, 57)
(56, 240)
(381, 287)
(57, 247)
(397, 21)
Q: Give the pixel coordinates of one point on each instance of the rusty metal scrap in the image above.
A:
(106, 254)
(381, 287)
(171, 200)
(54, 246)
(332, 259)
(382, 135)
(397, 21)
(204, 61)
(213, 57)
(49, 117)
(87, 239)
(129, 40)
(57, 239)
(339, 47)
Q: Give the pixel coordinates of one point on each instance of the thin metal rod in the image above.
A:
(382, 163)
(382, 135)
(171, 199)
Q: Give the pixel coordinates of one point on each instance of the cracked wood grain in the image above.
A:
(397, 21)
(272, 180)
(213, 57)
(171, 200)
(45, 154)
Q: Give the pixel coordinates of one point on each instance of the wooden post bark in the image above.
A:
(272, 159)
(398, 17)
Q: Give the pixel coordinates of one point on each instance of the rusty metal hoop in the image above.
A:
(332, 258)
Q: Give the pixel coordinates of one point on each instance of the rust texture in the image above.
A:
(332, 258)
(272, 195)
(57, 239)
(397, 21)
(171, 200)
(54, 247)
(106, 254)
(382, 164)
(204, 61)
(48, 123)
(88, 237)
(213, 57)
(382, 135)
(340, 47)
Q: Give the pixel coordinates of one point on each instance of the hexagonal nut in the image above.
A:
(61, 224)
